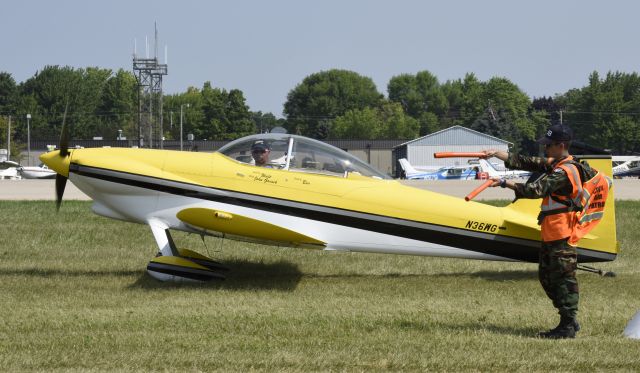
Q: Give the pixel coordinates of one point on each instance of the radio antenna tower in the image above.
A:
(149, 73)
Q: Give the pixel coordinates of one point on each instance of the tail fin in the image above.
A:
(406, 166)
(488, 168)
(599, 245)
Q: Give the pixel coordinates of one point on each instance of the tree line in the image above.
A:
(328, 105)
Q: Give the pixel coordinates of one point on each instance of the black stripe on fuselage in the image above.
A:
(503, 246)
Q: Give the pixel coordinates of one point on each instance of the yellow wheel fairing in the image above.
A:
(202, 260)
(178, 261)
(242, 226)
(174, 268)
(186, 253)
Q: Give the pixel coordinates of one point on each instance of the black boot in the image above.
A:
(566, 329)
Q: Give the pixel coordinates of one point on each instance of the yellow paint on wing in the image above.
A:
(221, 221)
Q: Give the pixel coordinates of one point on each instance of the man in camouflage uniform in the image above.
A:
(557, 259)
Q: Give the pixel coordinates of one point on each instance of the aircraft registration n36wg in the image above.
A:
(312, 195)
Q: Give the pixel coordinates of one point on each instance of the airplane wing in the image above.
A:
(244, 226)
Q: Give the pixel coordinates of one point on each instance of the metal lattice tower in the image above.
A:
(149, 73)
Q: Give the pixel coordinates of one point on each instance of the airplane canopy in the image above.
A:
(301, 154)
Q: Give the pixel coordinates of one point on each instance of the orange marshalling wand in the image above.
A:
(477, 191)
(458, 154)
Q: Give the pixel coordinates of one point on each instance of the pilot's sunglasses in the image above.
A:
(258, 151)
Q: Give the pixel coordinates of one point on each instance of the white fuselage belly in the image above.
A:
(139, 205)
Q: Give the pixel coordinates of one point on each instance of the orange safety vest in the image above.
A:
(557, 219)
(593, 200)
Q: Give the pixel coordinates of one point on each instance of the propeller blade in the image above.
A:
(61, 182)
(64, 136)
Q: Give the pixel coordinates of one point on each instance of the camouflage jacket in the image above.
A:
(551, 179)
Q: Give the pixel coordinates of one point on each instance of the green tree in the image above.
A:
(326, 95)
(513, 105)
(46, 94)
(15, 148)
(8, 90)
(119, 105)
(388, 121)
(428, 123)
(418, 94)
(213, 113)
(89, 119)
(193, 116)
(604, 113)
(240, 121)
(265, 122)
(362, 123)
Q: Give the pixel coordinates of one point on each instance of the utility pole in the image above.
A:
(28, 140)
(9, 139)
(561, 117)
(181, 115)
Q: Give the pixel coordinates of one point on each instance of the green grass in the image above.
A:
(75, 296)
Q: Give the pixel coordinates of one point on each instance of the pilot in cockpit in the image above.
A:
(260, 152)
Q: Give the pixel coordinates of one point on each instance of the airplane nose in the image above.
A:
(57, 162)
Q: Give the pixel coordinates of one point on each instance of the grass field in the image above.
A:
(75, 296)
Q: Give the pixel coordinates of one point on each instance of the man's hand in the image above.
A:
(488, 153)
(502, 183)
(496, 182)
(495, 153)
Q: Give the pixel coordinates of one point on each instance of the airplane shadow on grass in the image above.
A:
(48, 273)
(285, 276)
(245, 275)
(513, 275)
(242, 275)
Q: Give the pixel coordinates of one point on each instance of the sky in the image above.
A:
(266, 48)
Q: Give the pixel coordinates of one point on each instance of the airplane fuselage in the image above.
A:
(213, 194)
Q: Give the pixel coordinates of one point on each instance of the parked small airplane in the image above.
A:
(628, 168)
(491, 171)
(28, 172)
(39, 172)
(443, 173)
(9, 170)
(322, 197)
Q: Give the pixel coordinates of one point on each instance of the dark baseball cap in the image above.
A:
(556, 133)
(260, 145)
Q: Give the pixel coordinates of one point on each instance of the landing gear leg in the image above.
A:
(179, 265)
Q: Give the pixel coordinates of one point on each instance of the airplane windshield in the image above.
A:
(297, 153)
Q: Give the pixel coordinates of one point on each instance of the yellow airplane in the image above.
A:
(313, 195)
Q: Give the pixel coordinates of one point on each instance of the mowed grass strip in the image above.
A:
(74, 295)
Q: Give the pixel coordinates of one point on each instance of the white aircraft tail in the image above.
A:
(407, 167)
(488, 168)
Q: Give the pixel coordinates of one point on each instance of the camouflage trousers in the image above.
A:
(557, 274)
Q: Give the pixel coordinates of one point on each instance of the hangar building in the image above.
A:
(420, 151)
